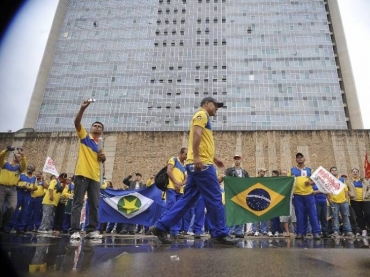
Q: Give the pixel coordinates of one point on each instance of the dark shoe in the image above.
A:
(316, 236)
(20, 232)
(226, 240)
(178, 236)
(147, 233)
(239, 236)
(197, 236)
(298, 237)
(161, 235)
(123, 233)
(131, 233)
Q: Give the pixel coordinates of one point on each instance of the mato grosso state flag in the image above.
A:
(143, 206)
(256, 199)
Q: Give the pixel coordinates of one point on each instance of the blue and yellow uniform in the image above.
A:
(9, 173)
(9, 177)
(304, 201)
(19, 219)
(207, 145)
(34, 213)
(172, 196)
(87, 163)
(198, 183)
(54, 186)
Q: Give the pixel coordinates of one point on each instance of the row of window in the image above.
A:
(182, 21)
(197, 67)
(199, 1)
(181, 42)
(197, 79)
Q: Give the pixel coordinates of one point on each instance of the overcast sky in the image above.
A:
(22, 47)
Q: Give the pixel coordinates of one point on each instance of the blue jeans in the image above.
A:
(343, 208)
(237, 229)
(203, 183)
(260, 226)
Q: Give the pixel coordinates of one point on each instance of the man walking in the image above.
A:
(87, 176)
(202, 179)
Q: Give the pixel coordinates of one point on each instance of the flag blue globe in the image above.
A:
(258, 199)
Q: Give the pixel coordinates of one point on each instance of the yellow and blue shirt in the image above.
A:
(87, 163)
(26, 181)
(206, 146)
(10, 174)
(302, 175)
(358, 190)
(54, 184)
(39, 192)
(178, 171)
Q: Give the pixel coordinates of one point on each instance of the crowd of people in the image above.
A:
(193, 197)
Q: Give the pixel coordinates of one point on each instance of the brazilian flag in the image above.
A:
(256, 199)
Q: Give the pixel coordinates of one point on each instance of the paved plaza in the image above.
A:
(140, 255)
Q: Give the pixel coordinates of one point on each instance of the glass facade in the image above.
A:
(148, 64)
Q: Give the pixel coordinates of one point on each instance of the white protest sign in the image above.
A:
(49, 167)
(326, 182)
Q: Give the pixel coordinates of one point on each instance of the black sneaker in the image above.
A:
(239, 236)
(316, 237)
(226, 240)
(178, 236)
(298, 236)
(161, 235)
(197, 236)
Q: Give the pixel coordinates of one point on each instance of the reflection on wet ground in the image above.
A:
(115, 254)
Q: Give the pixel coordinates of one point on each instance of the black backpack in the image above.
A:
(161, 178)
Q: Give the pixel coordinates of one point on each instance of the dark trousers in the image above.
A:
(322, 215)
(83, 185)
(58, 217)
(362, 211)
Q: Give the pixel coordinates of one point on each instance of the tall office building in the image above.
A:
(276, 64)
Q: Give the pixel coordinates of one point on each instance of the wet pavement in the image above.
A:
(140, 255)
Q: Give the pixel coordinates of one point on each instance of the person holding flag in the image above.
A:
(87, 176)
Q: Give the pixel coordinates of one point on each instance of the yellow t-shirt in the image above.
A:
(87, 162)
(206, 146)
(56, 196)
(178, 172)
(340, 198)
(39, 191)
(359, 194)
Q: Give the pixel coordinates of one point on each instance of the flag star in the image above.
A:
(129, 206)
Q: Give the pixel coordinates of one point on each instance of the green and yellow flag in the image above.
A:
(256, 199)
